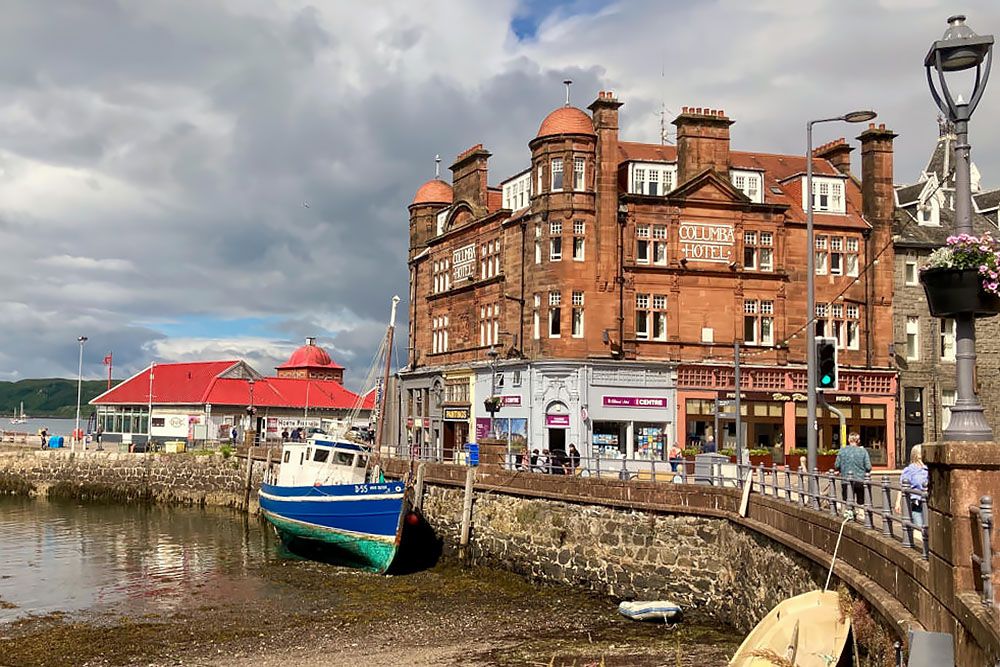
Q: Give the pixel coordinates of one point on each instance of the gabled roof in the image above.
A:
(182, 383)
(987, 201)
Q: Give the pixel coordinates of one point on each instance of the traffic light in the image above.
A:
(826, 364)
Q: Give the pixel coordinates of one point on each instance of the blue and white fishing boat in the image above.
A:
(329, 490)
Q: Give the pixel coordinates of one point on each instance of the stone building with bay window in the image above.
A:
(599, 292)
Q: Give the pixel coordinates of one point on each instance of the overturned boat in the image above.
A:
(655, 610)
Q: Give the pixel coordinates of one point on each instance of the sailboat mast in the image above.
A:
(385, 376)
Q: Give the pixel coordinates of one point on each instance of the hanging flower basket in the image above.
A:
(963, 277)
(951, 292)
(493, 404)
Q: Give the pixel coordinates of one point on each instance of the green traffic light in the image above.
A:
(826, 380)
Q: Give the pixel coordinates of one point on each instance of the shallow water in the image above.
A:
(103, 584)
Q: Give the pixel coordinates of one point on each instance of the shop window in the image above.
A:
(159, 422)
(650, 441)
(609, 439)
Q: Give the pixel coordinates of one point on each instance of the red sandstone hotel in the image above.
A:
(612, 279)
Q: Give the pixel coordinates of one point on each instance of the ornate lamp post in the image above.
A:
(962, 49)
(811, 446)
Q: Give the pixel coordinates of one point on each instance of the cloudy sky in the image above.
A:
(205, 179)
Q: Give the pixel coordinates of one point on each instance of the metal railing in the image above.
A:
(982, 545)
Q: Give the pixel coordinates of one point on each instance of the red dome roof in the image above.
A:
(434, 191)
(310, 355)
(566, 120)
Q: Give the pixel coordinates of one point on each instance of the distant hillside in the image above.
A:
(53, 397)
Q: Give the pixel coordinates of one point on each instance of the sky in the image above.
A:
(212, 179)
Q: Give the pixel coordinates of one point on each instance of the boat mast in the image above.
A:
(385, 376)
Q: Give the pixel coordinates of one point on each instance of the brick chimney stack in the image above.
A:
(838, 152)
(469, 178)
(878, 204)
(876, 172)
(605, 112)
(702, 141)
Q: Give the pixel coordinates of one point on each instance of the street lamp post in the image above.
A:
(79, 390)
(811, 450)
(493, 354)
(961, 49)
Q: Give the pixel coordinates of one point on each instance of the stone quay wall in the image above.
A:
(704, 563)
(160, 478)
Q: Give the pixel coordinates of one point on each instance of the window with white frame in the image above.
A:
(758, 322)
(651, 178)
(913, 338)
(758, 253)
(517, 192)
(536, 325)
(910, 272)
(577, 323)
(749, 183)
(642, 244)
(541, 178)
(836, 256)
(555, 301)
(557, 174)
(853, 328)
(852, 246)
(841, 322)
(659, 315)
(442, 276)
(947, 339)
(489, 324)
(828, 194)
(538, 244)
(822, 312)
(642, 316)
(821, 255)
(660, 245)
(578, 240)
(439, 334)
(947, 403)
(578, 173)
(555, 241)
(442, 218)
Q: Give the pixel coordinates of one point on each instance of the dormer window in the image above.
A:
(442, 218)
(828, 195)
(651, 178)
(749, 183)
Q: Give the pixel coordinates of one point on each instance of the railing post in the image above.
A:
(788, 483)
(774, 481)
(869, 505)
(815, 498)
(760, 478)
(887, 513)
(986, 561)
(803, 499)
(835, 482)
(906, 516)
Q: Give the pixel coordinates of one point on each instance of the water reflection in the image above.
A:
(62, 556)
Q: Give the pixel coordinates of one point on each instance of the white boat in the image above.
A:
(655, 610)
(19, 418)
(806, 630)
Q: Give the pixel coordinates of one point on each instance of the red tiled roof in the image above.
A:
(434, 191)
(566, 120)
(310, 356)
(199, 383)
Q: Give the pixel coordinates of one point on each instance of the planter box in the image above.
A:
(951, 292)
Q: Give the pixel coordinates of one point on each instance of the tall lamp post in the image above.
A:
(961, 49)
(811, 451)
(79, 390)
(492, 353)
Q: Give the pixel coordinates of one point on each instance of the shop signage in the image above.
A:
(511, 400)
(793, 397)
(706, 242)
(557, 421)
(633, 402)
(463, 262)
(456, 414)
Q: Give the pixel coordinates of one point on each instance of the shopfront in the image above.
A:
(633, 424)
(456, 431)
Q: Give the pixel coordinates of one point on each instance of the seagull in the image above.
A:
(305, 204)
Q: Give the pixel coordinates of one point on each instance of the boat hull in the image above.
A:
(657, 610)
(362, 521)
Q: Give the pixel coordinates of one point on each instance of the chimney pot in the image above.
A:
(881, 126)
(871, 126)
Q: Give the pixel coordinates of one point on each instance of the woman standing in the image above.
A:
(916, 476)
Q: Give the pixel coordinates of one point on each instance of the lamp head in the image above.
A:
(82, 339)
(492, 352)
(960, 48)
(859, 116)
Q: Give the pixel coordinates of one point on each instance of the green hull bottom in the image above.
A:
(365, 553)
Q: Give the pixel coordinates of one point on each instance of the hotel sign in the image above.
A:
(706, 242)
(463, 262)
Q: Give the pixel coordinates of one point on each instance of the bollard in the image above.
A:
(418, 488)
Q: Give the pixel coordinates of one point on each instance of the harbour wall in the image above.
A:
(186, 479)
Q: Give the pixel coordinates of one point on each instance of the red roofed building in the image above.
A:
(602, 299)
(204, 400)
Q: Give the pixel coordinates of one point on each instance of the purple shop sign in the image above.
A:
(557, 421)
(511, 400)
(634, 402)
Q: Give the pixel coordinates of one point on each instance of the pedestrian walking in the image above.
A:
(533, 461)
(233, 435)
(675, 455)
(853, 463)
(574, 459)
(916, 476)
(43, 433)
